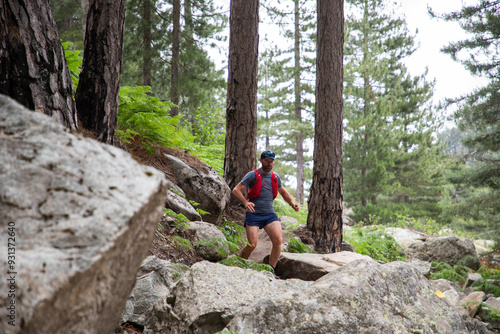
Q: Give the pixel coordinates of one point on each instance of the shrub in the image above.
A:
(296, 246)
(374, 242)
(233, 232)
(236, 261)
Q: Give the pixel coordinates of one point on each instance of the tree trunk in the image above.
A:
(325, 201)
(174, 82)
(84, 5)
(97, 94)
(146, 41)
(366, 103)
(241, 105)
(33, 70)
(299, 138)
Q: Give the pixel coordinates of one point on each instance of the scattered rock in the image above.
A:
(310, 267)
(209, 241)
(154, 282)
(451, 250)
(472, 301)
(204, 186)
(179, 204)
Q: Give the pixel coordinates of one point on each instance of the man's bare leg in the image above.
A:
(253, 237)
(273, 230)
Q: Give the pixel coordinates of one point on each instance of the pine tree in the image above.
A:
(389, 147)
(479, 112)
(198, 82)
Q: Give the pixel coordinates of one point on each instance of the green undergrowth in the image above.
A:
(375, 242)
(459, 273)
(145, 120)
(233, 232)
(296, 246)
(284, 209)
(236, 261)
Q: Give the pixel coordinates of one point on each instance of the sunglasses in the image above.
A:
(269, 155)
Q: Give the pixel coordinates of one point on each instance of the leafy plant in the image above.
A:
(180, 222)
(200, 211)
(150, 118)
(208, 127)
(455, 273)
(284, 209)
(485, 284)
(180, 242)
(178, 270)
(74, 61)
(296, 246)
(215, 244)
(236, 261)
(376, 243)
(489, 314)
(233, 232)
(159, 231)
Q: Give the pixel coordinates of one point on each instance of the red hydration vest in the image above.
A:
(255, 190)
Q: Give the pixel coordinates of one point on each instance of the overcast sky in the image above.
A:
(452, 79)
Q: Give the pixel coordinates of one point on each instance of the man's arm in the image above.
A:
(286, 196)
(237, 192)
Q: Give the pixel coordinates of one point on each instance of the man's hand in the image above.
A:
(239, 196)
(295, 206)
(250, 206)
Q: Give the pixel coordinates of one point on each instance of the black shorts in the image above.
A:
(259, 219)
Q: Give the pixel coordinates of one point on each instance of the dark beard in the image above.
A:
(266, 170)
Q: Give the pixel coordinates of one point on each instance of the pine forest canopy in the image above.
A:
(395, 167)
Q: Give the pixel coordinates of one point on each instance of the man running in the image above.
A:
(259, 205)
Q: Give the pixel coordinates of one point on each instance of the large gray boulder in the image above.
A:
(83, 217)
(203, 185)
(451, 250)
(210, 294)
(360, 297)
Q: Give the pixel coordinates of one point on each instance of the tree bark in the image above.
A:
(241, 104)
(146, 41)
(97, 94)
(33, 70)
(174, 82)
(325, 201)
(299, 138)
(84, 5)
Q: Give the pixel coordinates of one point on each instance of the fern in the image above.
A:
(74, 61)
(236, 261)
(296, 246)
(233, 232)
(180, 242)
(487, 287)
(374, 242)
(200, 211)
(489, 314)
(455, 273)
(180, 222)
